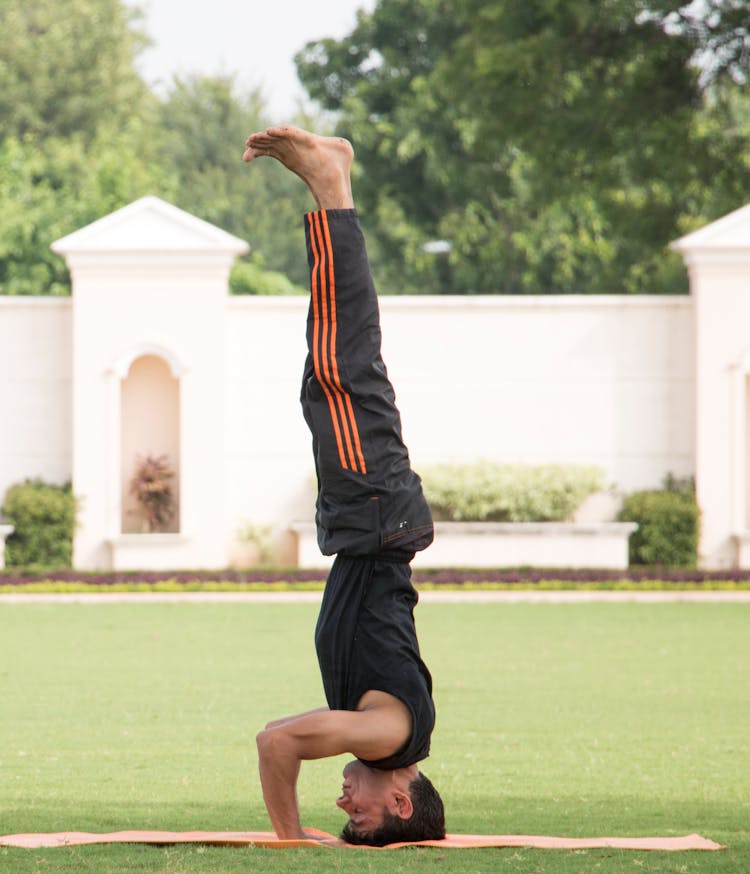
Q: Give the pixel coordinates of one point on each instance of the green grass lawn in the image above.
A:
(581, 720)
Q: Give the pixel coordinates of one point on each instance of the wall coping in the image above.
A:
(589, 529)
(156, 539)
(41, 301)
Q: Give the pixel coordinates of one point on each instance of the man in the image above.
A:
(371, 513)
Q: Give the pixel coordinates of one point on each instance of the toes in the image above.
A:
(253, 152)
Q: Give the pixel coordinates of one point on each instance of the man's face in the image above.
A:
(364, 796)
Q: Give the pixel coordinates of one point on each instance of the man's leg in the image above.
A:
(369, 498)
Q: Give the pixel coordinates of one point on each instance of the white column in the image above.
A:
(149, 278)
(718, 262)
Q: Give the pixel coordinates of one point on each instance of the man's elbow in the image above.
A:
(271, 742)
(263, 739)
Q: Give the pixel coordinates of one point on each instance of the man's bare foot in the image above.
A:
(323, 163)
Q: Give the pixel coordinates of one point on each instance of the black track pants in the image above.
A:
(369, 499)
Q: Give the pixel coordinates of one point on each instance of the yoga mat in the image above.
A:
(269, 839)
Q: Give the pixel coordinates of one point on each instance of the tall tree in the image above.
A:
(81, 136)
(76, 139)
(558, 145)
(65, 69)
(51, 187)
(205, 123)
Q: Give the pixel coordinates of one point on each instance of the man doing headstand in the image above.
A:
(370, 513)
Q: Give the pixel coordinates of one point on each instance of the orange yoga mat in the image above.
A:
(269, 839)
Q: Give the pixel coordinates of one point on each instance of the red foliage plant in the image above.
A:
(150, 486)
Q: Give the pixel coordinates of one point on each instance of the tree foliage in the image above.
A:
(50, 187)
(205, 124)
(81, 136)
(552, 146)
(67, 69)
(558, 145)
(76, 139)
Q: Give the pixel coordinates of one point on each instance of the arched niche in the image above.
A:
(149, 426)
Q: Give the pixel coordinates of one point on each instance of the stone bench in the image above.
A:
(504, 544)
(154, 552)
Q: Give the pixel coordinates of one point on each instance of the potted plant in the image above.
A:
(151, 486)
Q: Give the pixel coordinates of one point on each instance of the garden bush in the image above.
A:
(668, 524)
(488, 491)
(44, 517)
(250, 278)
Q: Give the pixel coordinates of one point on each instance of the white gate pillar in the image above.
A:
(718, 262)
(149, 279)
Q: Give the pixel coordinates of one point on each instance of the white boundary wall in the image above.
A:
(35, 389)
(639, 385)
(605, 380)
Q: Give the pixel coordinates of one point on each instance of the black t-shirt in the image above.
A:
(366, 640)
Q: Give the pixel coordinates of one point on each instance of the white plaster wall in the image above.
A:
(35, 390)
(723, 351)
(602, 380)
(269, 462)
(156, 307)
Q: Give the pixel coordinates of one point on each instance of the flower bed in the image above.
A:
(443, 578)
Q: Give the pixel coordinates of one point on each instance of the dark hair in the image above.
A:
(427, 822)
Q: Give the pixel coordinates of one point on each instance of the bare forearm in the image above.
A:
(278, 777)
(369, 734)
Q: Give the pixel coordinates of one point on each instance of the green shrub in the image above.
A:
(44, 517)
(249, 278)
(668, 525)
(487, 491)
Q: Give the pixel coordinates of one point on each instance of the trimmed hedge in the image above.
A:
(492, 492)
(668, 525)
(44, 518)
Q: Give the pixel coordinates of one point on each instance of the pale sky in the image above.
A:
(255, 41)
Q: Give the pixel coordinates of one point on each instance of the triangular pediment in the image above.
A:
(149, 225)
(731, 232)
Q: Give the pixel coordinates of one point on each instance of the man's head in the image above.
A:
(387, 807)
